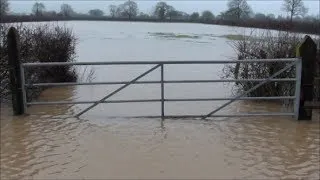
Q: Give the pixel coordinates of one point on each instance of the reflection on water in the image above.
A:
(49, 143)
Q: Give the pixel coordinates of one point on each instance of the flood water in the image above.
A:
(107, 142)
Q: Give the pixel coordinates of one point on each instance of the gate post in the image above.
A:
(307, 51)
(15, 72)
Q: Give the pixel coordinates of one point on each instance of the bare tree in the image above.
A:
(96, 12)
(143, 15)
(239, 9)
(130, 9)
(66, 10)
(260, 16)
(4, 7)
(161, 10)
(207, 16)
(120, 11)
(194, 16)
(50, 13)
(294, 7)
(172, 12)
(271, 16)
(38, 9)
(113, 10)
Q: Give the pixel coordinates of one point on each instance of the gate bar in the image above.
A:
(159, 100)
(250, 90)
(157, 62)
(117, 90)
(157, 82)
(162, 92)
(298, 88)
(23, 88)
(218, 115)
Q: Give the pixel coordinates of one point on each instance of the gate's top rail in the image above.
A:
(156, 62)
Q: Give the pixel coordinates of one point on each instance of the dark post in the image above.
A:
(307, 51)
(14, 72)
(317, 76)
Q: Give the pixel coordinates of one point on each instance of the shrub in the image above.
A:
(266, 45)
(39, 43)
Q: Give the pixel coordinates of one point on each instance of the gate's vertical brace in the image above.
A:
(14, 72)
(23, 88)
(162, 92)
(298, 88)
(307, 50)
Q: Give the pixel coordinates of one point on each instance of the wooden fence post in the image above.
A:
(14, 72)
(317, 81)
(307, 51)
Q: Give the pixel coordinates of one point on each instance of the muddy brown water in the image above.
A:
(106, 142)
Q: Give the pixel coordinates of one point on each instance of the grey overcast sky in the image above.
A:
(189, 6)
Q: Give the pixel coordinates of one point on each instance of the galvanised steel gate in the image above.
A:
(161, 64)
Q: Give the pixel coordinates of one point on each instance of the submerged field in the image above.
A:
(107, 143)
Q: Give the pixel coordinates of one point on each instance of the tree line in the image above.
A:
(238, 13)
(237, 10)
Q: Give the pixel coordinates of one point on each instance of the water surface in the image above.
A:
(107, 142)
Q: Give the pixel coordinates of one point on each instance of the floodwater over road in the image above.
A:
(107, 143)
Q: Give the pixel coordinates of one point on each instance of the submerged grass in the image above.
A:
(236, 37)
(173, 35)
